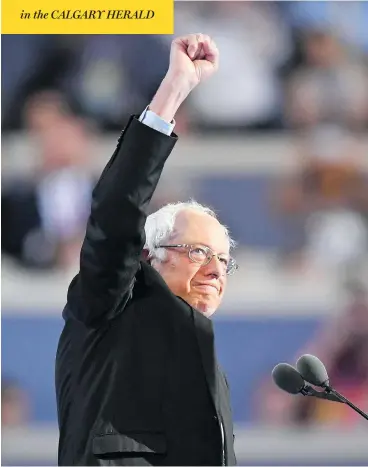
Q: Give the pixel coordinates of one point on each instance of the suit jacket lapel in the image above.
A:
(205, 337)
(203, 327)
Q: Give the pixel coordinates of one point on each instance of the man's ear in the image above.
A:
(145, 254)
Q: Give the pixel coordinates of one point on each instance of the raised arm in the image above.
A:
(115, 235)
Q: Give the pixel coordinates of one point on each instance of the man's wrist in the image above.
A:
(171, 93)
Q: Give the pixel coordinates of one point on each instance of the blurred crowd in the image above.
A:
(44, 215)
(15, 403)
(283, 65)
(298, 69)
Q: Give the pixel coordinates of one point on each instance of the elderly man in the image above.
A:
(137, 377)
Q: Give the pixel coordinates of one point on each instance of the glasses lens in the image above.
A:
(231, 267)
(199, 254)
(202, 255)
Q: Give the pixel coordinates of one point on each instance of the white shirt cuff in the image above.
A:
(152, 120)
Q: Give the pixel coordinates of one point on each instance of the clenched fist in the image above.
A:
(194, 57)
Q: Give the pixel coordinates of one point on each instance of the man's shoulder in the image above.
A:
(147, 276)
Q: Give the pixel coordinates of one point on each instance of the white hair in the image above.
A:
(160, 226)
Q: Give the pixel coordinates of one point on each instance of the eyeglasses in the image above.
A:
(203, 255)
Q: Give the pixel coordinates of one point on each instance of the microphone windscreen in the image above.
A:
(312, 370)
(287, 378)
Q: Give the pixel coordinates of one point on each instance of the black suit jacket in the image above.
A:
(137, 378)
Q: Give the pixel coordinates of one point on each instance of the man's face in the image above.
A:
(202, 286)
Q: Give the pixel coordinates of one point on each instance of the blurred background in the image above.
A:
(276, 143)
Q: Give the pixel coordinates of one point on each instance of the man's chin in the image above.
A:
(206, 309)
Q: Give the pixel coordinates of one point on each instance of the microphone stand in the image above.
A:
(329, 390)
(309, 391)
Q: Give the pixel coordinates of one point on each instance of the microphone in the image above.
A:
(313, 371)
(288, 379)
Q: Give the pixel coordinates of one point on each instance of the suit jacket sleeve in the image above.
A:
(115, 234)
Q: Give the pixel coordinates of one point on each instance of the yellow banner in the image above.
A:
(87, 17)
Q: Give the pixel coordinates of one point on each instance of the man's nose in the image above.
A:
(215, 267)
